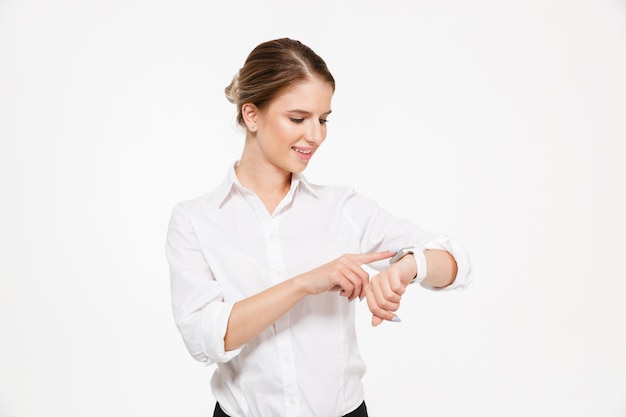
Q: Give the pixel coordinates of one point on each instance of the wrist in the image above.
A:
(301, 288)
(417, 260)
(409, 268)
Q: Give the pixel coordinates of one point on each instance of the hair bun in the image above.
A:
(232, 90)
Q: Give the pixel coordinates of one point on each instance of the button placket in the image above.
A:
(282, 325)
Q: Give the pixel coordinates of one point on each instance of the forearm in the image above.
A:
(249, 317)
(442, 268)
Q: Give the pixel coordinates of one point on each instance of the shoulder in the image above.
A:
(341, 195)
(199, 205)
(331, 189)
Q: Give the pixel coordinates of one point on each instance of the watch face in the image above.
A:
(396, 257)
(400, 255)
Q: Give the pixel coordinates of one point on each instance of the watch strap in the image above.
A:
(422, 265)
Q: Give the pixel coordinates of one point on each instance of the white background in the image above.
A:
(502, 123)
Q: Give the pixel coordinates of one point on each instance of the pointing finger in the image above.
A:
(366, 258)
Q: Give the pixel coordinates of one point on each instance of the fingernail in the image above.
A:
(392, 250)
(396, 319)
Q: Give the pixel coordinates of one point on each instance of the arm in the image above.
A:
(448, 265)
(386, 289)
(442, 268)
(249, 317)
(213, 329)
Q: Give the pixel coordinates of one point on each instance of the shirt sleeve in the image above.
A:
(379, 230)
(198, 306)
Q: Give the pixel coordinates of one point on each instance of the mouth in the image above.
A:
(304, 154)
(302, 151)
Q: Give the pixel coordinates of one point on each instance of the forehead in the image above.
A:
(312, 95)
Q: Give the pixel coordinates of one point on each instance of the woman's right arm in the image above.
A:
(212, 329)
(250, 316)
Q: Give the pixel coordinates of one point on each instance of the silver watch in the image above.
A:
(409, 250)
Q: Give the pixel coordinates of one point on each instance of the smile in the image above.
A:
(303, 151)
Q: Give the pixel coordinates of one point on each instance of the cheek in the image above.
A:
(287, 130)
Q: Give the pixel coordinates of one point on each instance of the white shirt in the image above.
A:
(224, 246)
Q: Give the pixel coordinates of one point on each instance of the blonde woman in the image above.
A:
(265, 268)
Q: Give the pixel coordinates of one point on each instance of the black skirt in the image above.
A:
(361, 411)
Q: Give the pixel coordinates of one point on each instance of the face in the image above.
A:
(291, 128)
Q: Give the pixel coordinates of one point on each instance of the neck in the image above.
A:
(268, 182)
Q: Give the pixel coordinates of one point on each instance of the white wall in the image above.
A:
(506, 118)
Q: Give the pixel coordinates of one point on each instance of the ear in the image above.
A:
(250, 114)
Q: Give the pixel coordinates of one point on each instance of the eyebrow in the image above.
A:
(308, 113)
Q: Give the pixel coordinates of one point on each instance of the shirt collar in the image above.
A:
(231, 182)
(299, 178)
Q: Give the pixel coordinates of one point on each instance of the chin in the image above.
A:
(297, 168)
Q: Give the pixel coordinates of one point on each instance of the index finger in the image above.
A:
(366, 258)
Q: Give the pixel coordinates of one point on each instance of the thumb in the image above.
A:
(376, 320)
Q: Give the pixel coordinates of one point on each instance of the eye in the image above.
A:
(323, 121)
(296, 120)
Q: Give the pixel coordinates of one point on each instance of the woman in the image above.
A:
(264, 267)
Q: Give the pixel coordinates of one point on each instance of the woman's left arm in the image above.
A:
(385, 290)
(446, 267)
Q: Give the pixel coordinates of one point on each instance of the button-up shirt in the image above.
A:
(224, 246)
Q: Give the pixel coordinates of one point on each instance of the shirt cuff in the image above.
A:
(213, 327)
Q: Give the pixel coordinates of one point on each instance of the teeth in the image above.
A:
(301, 150)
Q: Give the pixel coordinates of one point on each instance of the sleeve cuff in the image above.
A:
(214, 325)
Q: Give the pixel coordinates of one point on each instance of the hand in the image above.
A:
(385, 290)
(344, 274)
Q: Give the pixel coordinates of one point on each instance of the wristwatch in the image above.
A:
(420, 260)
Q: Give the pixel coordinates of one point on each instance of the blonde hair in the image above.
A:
(272, 67)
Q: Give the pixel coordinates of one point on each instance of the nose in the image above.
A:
(315, 132)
